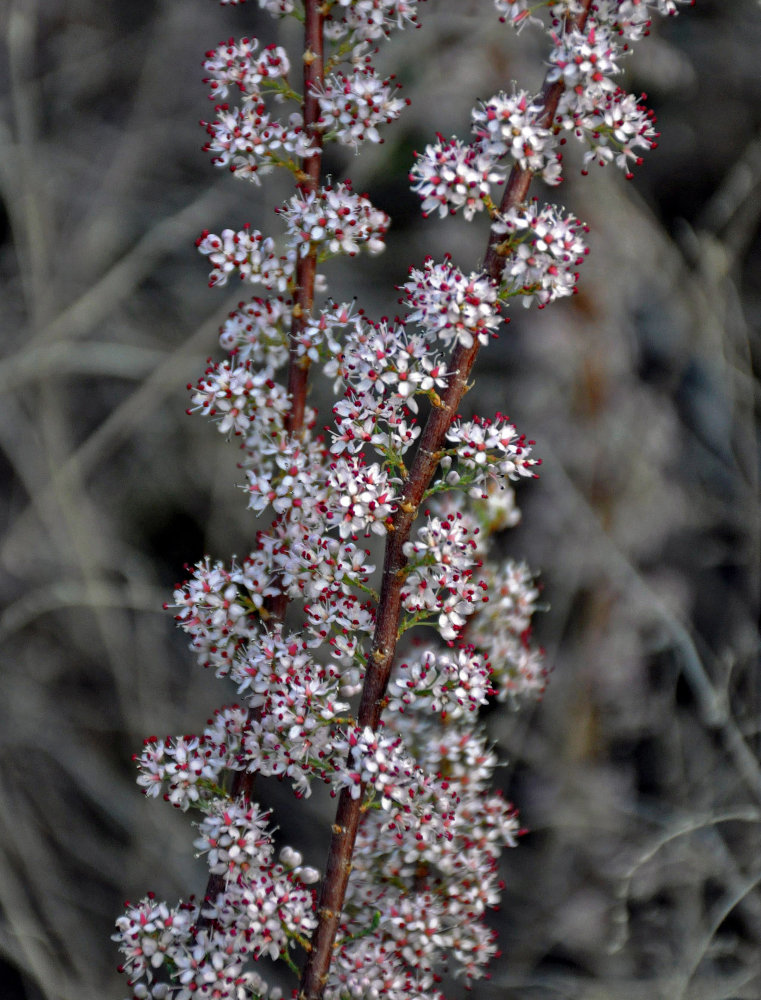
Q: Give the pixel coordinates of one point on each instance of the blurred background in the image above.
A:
(638, 775)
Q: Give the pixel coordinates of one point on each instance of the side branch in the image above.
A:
(381, 657)
(298, 370)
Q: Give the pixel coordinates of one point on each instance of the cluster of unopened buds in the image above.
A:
(324, 698)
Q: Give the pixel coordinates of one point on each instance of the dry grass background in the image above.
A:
(638, 775)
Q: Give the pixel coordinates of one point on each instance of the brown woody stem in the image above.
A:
(381, 657)
(306, 267)
(298, 369)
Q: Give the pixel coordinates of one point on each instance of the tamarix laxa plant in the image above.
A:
(304, 626)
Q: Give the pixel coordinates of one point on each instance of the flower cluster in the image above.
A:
(353, 107)
(431, 891)
(450, 176)
(443, 558)
(306, 625)
(542, 248)
(250, 254)
(256, 332)
(364, 21)
(264, 905)
(443, 683)
(510, 125)
(485, 450)
(249, 143)
(248, 140)
(450, 306)
(235, 65)
(334, 221)
(502, 631)
(219, 608)
(513, 130)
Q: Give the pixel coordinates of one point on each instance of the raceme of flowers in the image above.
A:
(511, 128)
(424, 870)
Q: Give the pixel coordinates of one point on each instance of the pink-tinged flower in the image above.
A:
(236, 66)
(369, 20)
(334, 220)
(542, 250)
(586, 59)
(250, 143)
(237, 396)
(219, 608)
(151, 934)
(247, 252)
(277, 8)
(362, 497)
(440, 585)
(449, 684)
(255, 332)
(450, 176)
(181, 768)
(450, 306)
(517, 12)
(509, 125)
(485, 449)
(352, 107)
(235, 838)
(502, 630)
(615, 129)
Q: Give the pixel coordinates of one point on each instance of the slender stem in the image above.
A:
(298, 367)
(306, 268)
(380, 660)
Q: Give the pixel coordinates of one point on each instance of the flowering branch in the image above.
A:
(381, 658)
(298, 364)
(412, 865)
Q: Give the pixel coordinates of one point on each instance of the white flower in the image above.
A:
(443, 556)
(235, 65)
(451, 306)
(256, 332)
(334, 220)
(234, 837)
(586, 59)
(250, 143)
(546, 250)
(369, 20)
(509, 124)
(449, 685)
(517, 12)
(362, 498)
(450, 176)
(486, 449)
(352, 108)
(248, 252)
